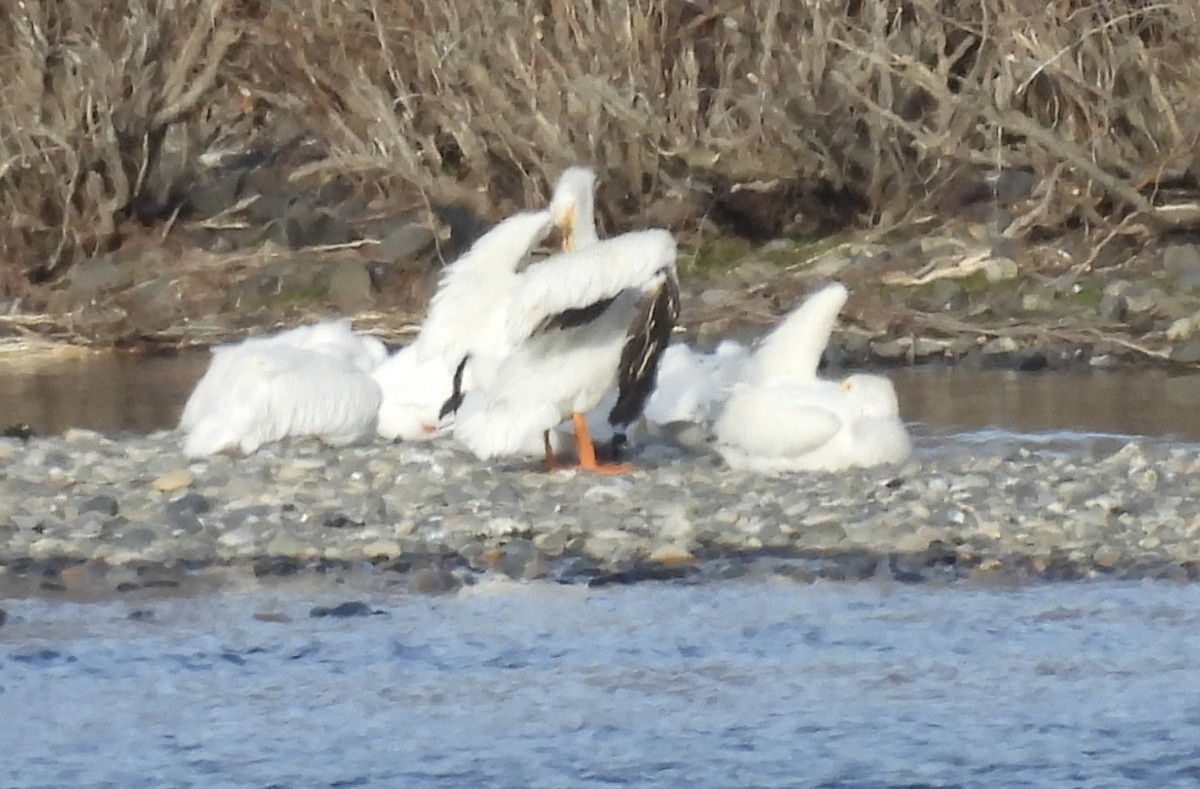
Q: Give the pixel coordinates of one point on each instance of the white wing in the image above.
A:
(679, 388)
(579, 279)
(780, 421)
(692, 386)
(205, 398)
(212, 395)
(793, 348)
(477, 285)
(242, 416)
(271, 391)
(496, 423)
(324, 397)
(336, 339)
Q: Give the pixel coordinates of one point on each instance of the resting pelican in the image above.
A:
(308, 381)
(782, 417)
(465, 318)
(413, 391)
(581, 323)
(693, 386)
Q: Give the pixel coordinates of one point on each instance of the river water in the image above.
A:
(764, 682)
(738, 684)
(111, 392)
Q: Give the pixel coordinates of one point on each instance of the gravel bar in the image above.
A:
(133, 512)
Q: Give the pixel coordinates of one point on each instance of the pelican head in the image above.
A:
(874, 394)
(572, 207)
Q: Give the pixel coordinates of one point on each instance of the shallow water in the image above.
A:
(108, 392)
(764, 683)
(114, 392)
(736, 683)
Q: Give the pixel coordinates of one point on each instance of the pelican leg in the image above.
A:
(586, 450)
(551, 462)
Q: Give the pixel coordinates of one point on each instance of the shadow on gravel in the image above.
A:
(441, 573)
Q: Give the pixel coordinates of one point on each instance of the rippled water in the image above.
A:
(740, 683)
(733, 684)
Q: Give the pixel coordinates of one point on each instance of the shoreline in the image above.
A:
(955, 294)
(129, 513)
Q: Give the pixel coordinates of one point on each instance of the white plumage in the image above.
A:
(573, 207)
(566, 358)
(413, 392)
(308, 381)
(782, 417)
(693, 386)
(468, 314)
(466, 318)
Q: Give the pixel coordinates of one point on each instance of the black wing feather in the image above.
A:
(648, 337)
(456, 395)
(575, 317)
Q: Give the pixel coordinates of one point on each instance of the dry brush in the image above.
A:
(755, 111)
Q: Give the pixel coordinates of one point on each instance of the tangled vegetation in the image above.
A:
(757, 112)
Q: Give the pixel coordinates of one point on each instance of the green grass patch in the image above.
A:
(303, 295)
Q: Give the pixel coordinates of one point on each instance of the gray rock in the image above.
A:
(1141, 303)
(1187, 351)
(213, 194)
(516, 557)
(1011, 185)
(825, 535)
(102, 503)
(350, 287)
(431, 580)
(947, 296)
(1113, 306)
(156, 304)
(137, 537)
(345, 610)
(96, 276)
(272, 205)
(305, 226)
(406, 240)
(189, 502)
(899, 348)
(1000, 270)
(1182, 263)
(714, 296)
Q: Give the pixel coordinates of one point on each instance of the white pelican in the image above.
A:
(308, 381)
(468, 312)
(465, 318)
(782, 417)
(413, 392)
(581, 323)
(693, 386)
(573, 209)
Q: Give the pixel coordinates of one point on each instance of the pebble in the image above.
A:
(672, 555)
(342, 610)
(1000, 269)
(173, 481)
(1187, 351)
(1069, 512)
